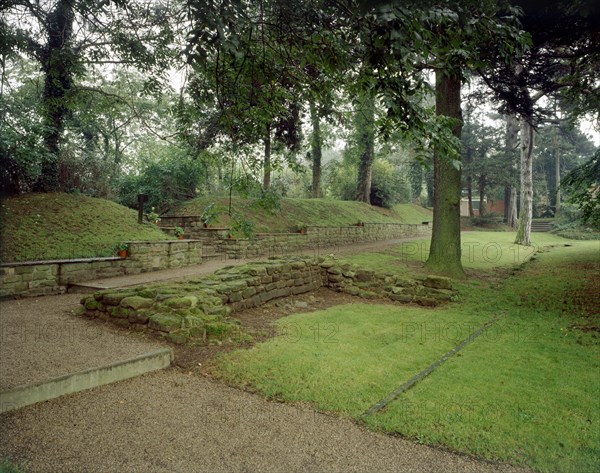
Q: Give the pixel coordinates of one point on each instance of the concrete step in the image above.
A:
(25, 395)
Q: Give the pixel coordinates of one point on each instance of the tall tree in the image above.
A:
(451, 38)
(527, 143)
(445, 250)
(365, 138)
(316, 149)
(65, 37)
(511, 143)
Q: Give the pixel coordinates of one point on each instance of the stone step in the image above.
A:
(544, 226)
(25, 395)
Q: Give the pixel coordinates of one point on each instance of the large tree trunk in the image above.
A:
(365, 127)
(267, 160)
(527, 143)
(57, 65)
(316, 145)
(445, 252)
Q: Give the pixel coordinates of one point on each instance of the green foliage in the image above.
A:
(64, 39)
(211, 213)
(583, 187)
(270, 200)
(168, 175)
(388, 186)
(490, 219)
(8, 467)
(122, 246)
(178, 231)
(241, 227)
(302, 212)
(152, 216)
(21, 147)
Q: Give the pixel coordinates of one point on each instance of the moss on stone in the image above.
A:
(438, 282)
(115, 298)
(136, 302)
(179, 337)
(184, 302)
(79, 311)
(120, 312)
(93, 304)
(148, 293)
(100, 294)
(405, 282)
(219, 330)
(164, 322)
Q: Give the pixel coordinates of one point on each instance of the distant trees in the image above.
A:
(67, 37)
(582, 185)
(265, 82)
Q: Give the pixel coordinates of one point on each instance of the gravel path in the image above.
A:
(41, 340)
(170, 421)
(173, 420)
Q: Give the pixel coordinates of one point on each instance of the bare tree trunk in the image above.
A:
(316, 144)
(445, 252)
(512, 212)
(557, 174)
(267, 160)
(527, 143)
(511, 145)
(470, 195)
(482, 203)
(365, 124)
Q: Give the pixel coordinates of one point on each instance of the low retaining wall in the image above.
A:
(285, 244)
(34, 278)
(199, 310)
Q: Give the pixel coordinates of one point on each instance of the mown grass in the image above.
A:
(525, 392)
(54, 226)
(482, 251)
(294, 213)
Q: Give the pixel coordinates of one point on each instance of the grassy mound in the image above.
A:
(293, 213)
(56, 226)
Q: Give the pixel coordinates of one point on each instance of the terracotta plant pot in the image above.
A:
(180, 237)
(122, 253)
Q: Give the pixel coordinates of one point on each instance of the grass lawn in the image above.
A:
(56, 226)
(525, 392)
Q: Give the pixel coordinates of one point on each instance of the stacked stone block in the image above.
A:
(200, 310)
(52, 277)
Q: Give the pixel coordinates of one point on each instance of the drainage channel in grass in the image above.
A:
(427, 371)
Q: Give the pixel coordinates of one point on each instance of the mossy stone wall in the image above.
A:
(200, 310)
